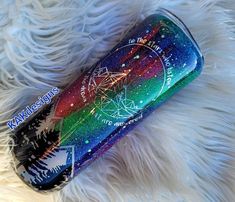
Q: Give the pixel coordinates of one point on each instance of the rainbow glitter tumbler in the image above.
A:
(158, 58)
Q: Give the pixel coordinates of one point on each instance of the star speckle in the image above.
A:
(137, 57)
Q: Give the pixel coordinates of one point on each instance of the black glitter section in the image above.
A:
(28, 143)
(30, 148)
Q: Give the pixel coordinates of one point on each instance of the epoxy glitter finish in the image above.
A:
(157, 59)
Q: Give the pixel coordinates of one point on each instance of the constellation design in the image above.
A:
(111, 89)
(103, 80)
(120, 106)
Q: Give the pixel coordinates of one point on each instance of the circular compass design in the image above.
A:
(115, 77)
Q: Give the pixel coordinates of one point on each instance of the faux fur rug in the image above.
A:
(185, 151)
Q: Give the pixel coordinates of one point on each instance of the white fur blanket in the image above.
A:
(185, 151)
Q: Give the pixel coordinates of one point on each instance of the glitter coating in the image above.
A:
(154, 61)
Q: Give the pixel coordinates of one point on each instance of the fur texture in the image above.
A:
(185, 151)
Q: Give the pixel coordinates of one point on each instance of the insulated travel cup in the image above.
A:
(155, 60)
